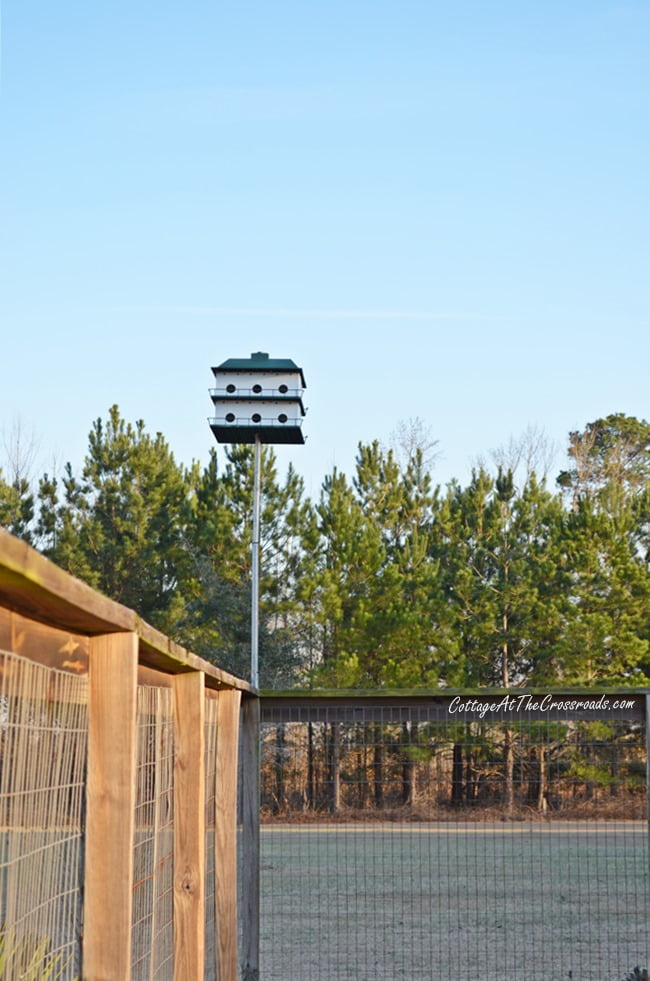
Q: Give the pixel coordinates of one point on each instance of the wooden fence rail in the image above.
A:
(57, 626)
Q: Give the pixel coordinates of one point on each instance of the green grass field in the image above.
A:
(487, 902)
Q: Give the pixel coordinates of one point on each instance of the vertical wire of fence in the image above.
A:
(153, 852)
(401, 843)
(43, 750)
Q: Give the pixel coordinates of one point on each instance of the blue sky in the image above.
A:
(437, 210)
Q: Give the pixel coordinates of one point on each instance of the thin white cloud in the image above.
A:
(208, 311)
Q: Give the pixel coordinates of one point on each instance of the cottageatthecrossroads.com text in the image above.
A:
(536, 703)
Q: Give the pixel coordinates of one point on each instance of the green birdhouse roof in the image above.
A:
(259, 361)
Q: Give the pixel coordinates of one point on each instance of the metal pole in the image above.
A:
(255, 584)
(251, 759)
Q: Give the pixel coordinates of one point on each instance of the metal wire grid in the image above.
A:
(442, 850)
(153, 923)
(210, 820)
(43, 751)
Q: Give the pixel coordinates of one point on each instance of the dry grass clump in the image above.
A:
(626, 809)
(28, 958)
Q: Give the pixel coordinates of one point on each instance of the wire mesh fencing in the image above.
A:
(43, 749)
(44, 812)
(153, 852)
(118, 779)
(493, 838)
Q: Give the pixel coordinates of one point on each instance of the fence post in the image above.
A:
(647, 763)
(110, 801)
(189, 826)
(226, 834)
(251, 839)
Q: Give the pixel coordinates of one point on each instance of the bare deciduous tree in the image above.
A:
(20, 451)
(530, 452)
(409, 436)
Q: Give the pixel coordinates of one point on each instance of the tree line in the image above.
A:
(386, 580)
(437, 769)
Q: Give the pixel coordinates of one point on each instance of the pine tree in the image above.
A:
(496, 549)
(217, 620)
(605, 632)
(120, 526)
(380, 603)
(606, 548)
(17, 507)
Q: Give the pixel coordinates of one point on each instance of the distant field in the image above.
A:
(486, 902)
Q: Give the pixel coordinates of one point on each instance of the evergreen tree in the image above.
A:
(121, 525)
(495, 547)
(605, 630)
(17, 499)
(350, 555)
(16, 507)
(382, 619)
(606, 544)
(217, 620)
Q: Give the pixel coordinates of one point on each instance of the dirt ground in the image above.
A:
(486, 902)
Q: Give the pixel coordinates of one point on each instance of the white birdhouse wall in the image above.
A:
(247, 383)
(266, 412)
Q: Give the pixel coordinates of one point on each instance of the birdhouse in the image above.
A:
(258, 397)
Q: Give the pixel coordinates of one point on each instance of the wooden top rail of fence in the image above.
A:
(49, 616)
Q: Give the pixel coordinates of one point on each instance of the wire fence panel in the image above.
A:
(43, 752)
(459, 838)
(103, 872)
(153, 913)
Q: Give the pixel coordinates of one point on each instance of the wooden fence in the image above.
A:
(130, 870)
